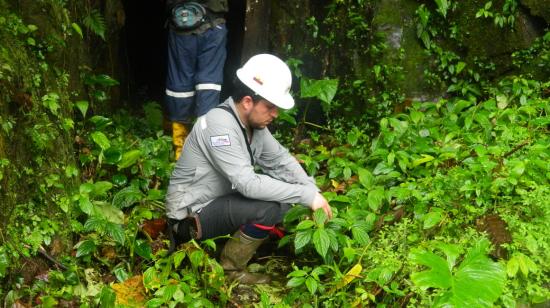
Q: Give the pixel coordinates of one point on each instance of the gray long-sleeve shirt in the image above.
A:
(216, 162)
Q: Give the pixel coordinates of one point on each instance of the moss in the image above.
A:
(481, 38)
(392, 16)
(540, 8)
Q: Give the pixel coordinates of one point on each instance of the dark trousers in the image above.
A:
(195, 72)
(227, 214)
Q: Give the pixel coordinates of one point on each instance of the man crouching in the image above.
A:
(215, 190)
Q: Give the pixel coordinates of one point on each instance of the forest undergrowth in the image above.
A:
(437, 203)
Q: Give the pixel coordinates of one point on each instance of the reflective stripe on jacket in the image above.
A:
(215, 162)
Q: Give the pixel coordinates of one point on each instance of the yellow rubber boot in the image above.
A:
(179, 133)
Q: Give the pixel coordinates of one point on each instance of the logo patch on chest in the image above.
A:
(220, 141)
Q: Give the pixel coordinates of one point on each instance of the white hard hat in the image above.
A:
(270, 78)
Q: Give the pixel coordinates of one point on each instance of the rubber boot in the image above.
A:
(236, 254)
(179, 133)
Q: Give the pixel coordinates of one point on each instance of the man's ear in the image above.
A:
(247, 103)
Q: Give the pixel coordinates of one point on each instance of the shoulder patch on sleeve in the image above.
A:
(220, 141)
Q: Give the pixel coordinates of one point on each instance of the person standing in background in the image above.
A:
(197, 38)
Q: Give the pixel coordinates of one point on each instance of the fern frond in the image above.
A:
(96, 23)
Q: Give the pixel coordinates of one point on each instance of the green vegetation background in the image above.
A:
(433, 156)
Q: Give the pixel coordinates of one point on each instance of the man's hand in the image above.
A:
(319, 202)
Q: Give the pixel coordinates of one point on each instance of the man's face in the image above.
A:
(262, 114)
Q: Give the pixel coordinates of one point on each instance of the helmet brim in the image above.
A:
(285, 101)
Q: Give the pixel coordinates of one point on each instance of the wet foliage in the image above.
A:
(437, 202)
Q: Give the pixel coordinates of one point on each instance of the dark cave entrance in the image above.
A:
(143, 53)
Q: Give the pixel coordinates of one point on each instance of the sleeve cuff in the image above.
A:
(308, 195)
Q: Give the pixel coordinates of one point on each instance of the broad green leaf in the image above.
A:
(375, 198)
(82, 106)
(416, 116)
(424, 159)
(196, 257)
(143, 249)
(295, 282)
(85, 204)
(115, 231)
(177, 258)
(305, 224)
(311, 285)
(4, 262)
(107, 297)
(321, 89)
(112, 156)
(108, 212)
(286, 117)
(460, 66)
(121, 274)
(442, 6)
(129, 158)
(302, 239)
(102, 187)
(85, 248)
(100, 139)
(127, 196)
(151, 279)
(320, 217)
(512, 267)
(477, 282)
(366, 178)
(360, 234)
(321, 241)
(431, 219)
(438, 276)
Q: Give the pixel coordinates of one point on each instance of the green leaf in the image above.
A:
(460, 66)
(295, 282)
(512, 267)
(108, 212)
(302, 239)
(305, 224)
(442, 7)
(151, 279)
(116, 232)
(438, 276)
(321, 241)
(375, 198)
(477, 282)
(143, 249)
(366, 178)
(77, 29)
(431, 219)
(196, 257)
(127, 196)
(121, 274)
(4, 262)
(85, 248)
(96, 23)
(112, 156)
(129, 158)
(320, 217)
(177, 258)
(85, 204)
(360, 234)
(311, 285)
(100, 139)
(107, 297)
(102, 187)
(425, 158)
(325, 89)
